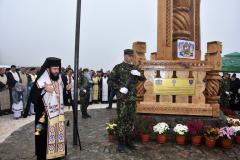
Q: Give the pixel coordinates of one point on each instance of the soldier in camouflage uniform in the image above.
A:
(84, 83)
(124, 78)
(225, 94)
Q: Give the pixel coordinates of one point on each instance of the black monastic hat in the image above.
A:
(52, 62)
(49, 62)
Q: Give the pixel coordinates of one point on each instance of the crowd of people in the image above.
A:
(16, 84)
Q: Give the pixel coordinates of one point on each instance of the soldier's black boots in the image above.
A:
(129, 143)
(121, 147)
(84, 116)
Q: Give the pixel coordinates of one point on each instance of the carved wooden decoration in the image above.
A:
(182, 105)
(139, 49)
(179, 19)
(164, 35)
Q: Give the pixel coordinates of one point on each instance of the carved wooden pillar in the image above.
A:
(177, 19)
(212, 90)
(164, 29)
(181, 19)
(139, 49)
(196, 28)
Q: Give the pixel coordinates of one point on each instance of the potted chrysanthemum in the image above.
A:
(181, 131)
(233, 122)
(211, 135)
(196, 130)
(227, 134)
(162, 130)
(237, 133)
(111, 129)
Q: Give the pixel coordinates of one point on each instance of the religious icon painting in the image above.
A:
(185, 49)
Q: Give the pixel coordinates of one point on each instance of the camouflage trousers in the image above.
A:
(126, 117)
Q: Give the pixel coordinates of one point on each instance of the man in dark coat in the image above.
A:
(234, 87)
(47, 97)
(84, 83)
(68, 83)
(13, 78)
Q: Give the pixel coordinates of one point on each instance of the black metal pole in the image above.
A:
(76, 66)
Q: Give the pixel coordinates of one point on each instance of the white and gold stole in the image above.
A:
(53, 103)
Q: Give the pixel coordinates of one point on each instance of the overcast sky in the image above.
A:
(31, 30)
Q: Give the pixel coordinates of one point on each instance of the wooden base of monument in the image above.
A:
(179, 109)
(204, 101)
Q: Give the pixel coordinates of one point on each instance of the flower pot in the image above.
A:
(180, 139)
(237, 139)
(145, 138)
(210, 143)
(161, 139)
(196, 140)
(226, 143)
(110, 137)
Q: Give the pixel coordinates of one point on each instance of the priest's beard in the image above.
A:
(54, 77)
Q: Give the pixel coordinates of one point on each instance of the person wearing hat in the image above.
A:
(85, 85)
(124, 78)
(47, 96)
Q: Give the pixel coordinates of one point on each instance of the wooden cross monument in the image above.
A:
(178, 82)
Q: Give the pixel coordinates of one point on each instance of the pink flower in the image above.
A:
(227, 132)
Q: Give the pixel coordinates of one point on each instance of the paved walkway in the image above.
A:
(8, 125)
(20, 145)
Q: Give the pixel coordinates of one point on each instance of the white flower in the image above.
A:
(161, 128)
(232, 120)
(180, 129)
(236, 128)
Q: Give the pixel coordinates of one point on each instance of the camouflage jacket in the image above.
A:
(121, 77)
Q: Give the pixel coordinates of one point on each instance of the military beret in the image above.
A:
(128, 52)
